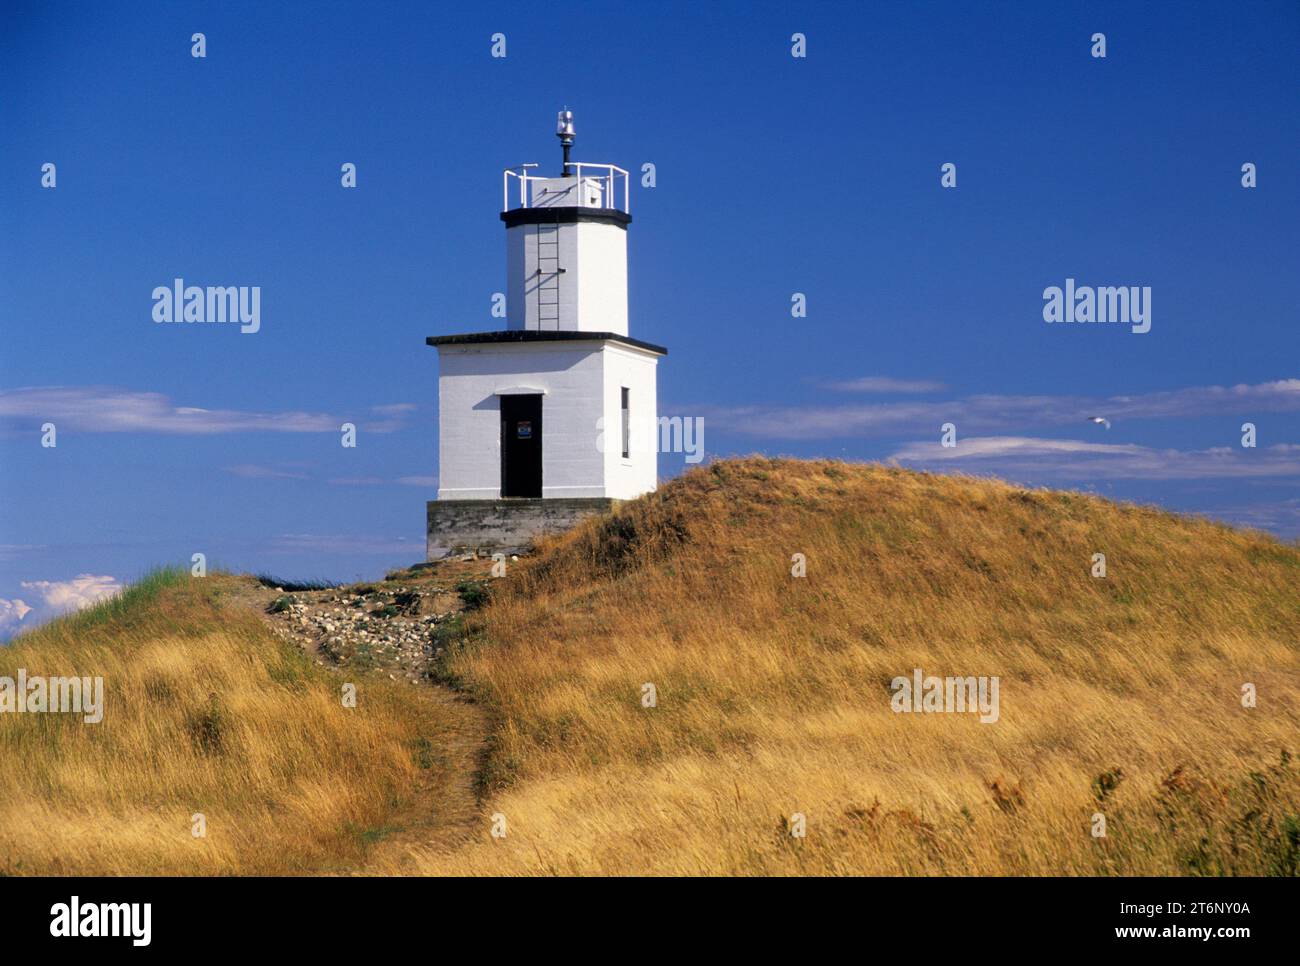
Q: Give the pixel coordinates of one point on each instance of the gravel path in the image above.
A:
(396, 627)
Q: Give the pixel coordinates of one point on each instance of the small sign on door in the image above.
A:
(524, 429)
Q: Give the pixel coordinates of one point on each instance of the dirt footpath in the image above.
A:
(397, 627)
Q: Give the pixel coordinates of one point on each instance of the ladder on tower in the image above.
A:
(548, 281)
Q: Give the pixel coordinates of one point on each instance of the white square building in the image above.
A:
(554, 417)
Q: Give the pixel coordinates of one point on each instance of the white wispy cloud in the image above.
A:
(394, 409)
(1079, 459)
(252, 471)
(9, 550)
(51, 599)
(81, 591)
(425, 481)
(257, 471)
(338, 543)
(885, 384)
(106, 409)
(996, 413)
(12, 613)
(1280, 516)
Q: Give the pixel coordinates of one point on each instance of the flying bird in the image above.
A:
(1100, 421)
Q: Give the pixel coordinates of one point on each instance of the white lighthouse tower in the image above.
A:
(554, 417)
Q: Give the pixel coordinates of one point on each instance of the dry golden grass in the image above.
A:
(773, 690)
(205, 712)
(1118, 695)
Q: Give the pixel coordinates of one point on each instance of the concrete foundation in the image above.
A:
(508, 526)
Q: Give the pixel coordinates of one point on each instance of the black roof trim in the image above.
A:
(565, 216)
(534, 335)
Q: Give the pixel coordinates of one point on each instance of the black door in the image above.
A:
(521, 446)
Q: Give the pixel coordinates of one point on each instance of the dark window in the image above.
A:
(627, 425)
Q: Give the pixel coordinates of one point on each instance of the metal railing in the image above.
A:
(608, 184)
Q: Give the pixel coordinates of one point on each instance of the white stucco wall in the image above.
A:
(629, 478)
(592, 288)
(580, 383)
(601, 278)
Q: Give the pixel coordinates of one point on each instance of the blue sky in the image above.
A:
(775, 175)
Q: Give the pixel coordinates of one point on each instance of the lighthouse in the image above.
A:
(552, 418)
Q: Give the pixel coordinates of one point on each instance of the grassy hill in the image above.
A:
(207, 713)
(1118, 695)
